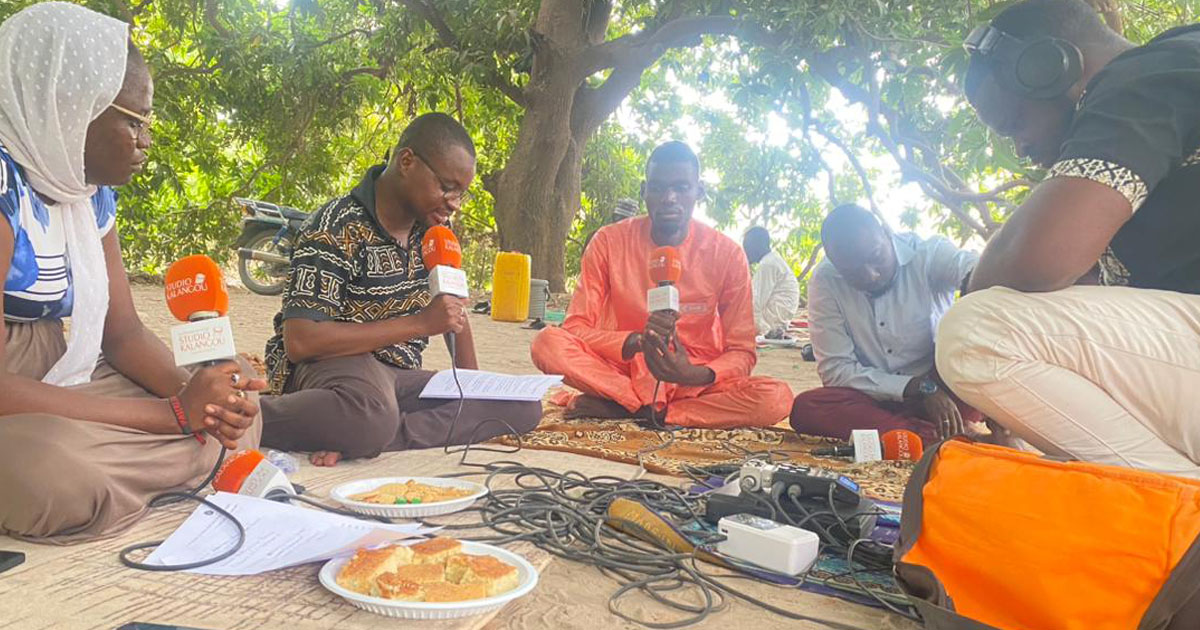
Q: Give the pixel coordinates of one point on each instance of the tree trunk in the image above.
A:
(533, 190)
(541, 230)
(539, 189)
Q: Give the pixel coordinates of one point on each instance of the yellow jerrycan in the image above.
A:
(510, 287)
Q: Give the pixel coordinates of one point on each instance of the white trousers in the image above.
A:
(1101, 374)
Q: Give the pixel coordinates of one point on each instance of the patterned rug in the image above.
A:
(669, 453)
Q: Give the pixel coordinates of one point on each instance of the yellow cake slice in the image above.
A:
(435, 550)
(422, 573)
(498, 576)
(446, 592)
(392, 586)
(360, 572)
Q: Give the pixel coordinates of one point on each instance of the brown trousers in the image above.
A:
(64, 480)
(361, 407)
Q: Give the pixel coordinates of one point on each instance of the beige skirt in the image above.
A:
(64, 480)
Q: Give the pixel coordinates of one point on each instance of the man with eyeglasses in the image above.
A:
(690, 368)
(357, 315)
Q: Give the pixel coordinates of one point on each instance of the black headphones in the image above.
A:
(1042, 68)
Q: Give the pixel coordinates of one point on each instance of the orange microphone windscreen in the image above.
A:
(665, 265)
(236, 470)
(902, 444)
(440, 247)
(194, 284)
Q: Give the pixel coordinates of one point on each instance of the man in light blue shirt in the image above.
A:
(874, 305)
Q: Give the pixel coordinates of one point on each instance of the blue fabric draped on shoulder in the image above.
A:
(38, 284)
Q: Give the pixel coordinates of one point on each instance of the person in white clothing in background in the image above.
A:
(776, 292)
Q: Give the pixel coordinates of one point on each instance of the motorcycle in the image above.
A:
(265, 245)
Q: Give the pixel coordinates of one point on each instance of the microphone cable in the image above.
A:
(171, 498)
(655, 424)
(452, 346)
(566, 515)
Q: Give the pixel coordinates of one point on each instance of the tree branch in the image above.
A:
(595, 23)
(810, 264)
(379, 72)
(335, 38)
(449, 40)
(210, 16)
(990, 195)
(935, 179)
(631, 55)
(435, 19)
(645, 47)
(506, 87)
(855, 163)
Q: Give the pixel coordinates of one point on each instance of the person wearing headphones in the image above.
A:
(1106, 373)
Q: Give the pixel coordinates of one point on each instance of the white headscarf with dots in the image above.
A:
(61, 66)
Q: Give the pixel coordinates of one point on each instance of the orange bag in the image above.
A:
(998, 539)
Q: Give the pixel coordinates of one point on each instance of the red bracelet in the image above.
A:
(181, 419)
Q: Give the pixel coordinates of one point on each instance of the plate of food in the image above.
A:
(408, 497)
(439, 578)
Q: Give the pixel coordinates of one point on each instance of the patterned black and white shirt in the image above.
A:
(1137, 130)
(347, 268)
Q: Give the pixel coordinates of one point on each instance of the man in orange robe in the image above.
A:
(699, 360)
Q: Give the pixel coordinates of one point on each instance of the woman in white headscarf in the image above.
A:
(85, 441)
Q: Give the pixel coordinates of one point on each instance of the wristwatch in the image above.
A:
(927, 387)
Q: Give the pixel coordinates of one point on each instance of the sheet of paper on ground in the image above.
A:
(278, 535)
(480, 385)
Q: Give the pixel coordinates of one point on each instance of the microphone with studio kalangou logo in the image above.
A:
(442, 256)
(196, 294)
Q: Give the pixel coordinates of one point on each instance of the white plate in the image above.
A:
(527, 578)
(342, 494)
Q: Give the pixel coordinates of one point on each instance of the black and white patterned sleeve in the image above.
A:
(321, 267)
(1138, 120)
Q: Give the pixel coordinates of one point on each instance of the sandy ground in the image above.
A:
(557, 602)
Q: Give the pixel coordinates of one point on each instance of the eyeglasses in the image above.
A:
(137, 122)
(450, 192)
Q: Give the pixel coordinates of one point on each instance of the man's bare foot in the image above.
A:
(588, 406)
(325, 458)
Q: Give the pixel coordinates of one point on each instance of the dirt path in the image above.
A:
(502, 347)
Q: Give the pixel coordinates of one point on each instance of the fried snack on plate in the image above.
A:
(410, 492)
(498, 576)
(422, 573)
(367, 564)
(446, 592)
(435, 570)
(435, 550)
(392, 586)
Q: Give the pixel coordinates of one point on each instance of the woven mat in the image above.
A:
(622, 441)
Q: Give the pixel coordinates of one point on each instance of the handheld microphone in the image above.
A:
(868, 446)
(665, 268)
(442, 256)
(251, 473)
(196, 294)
